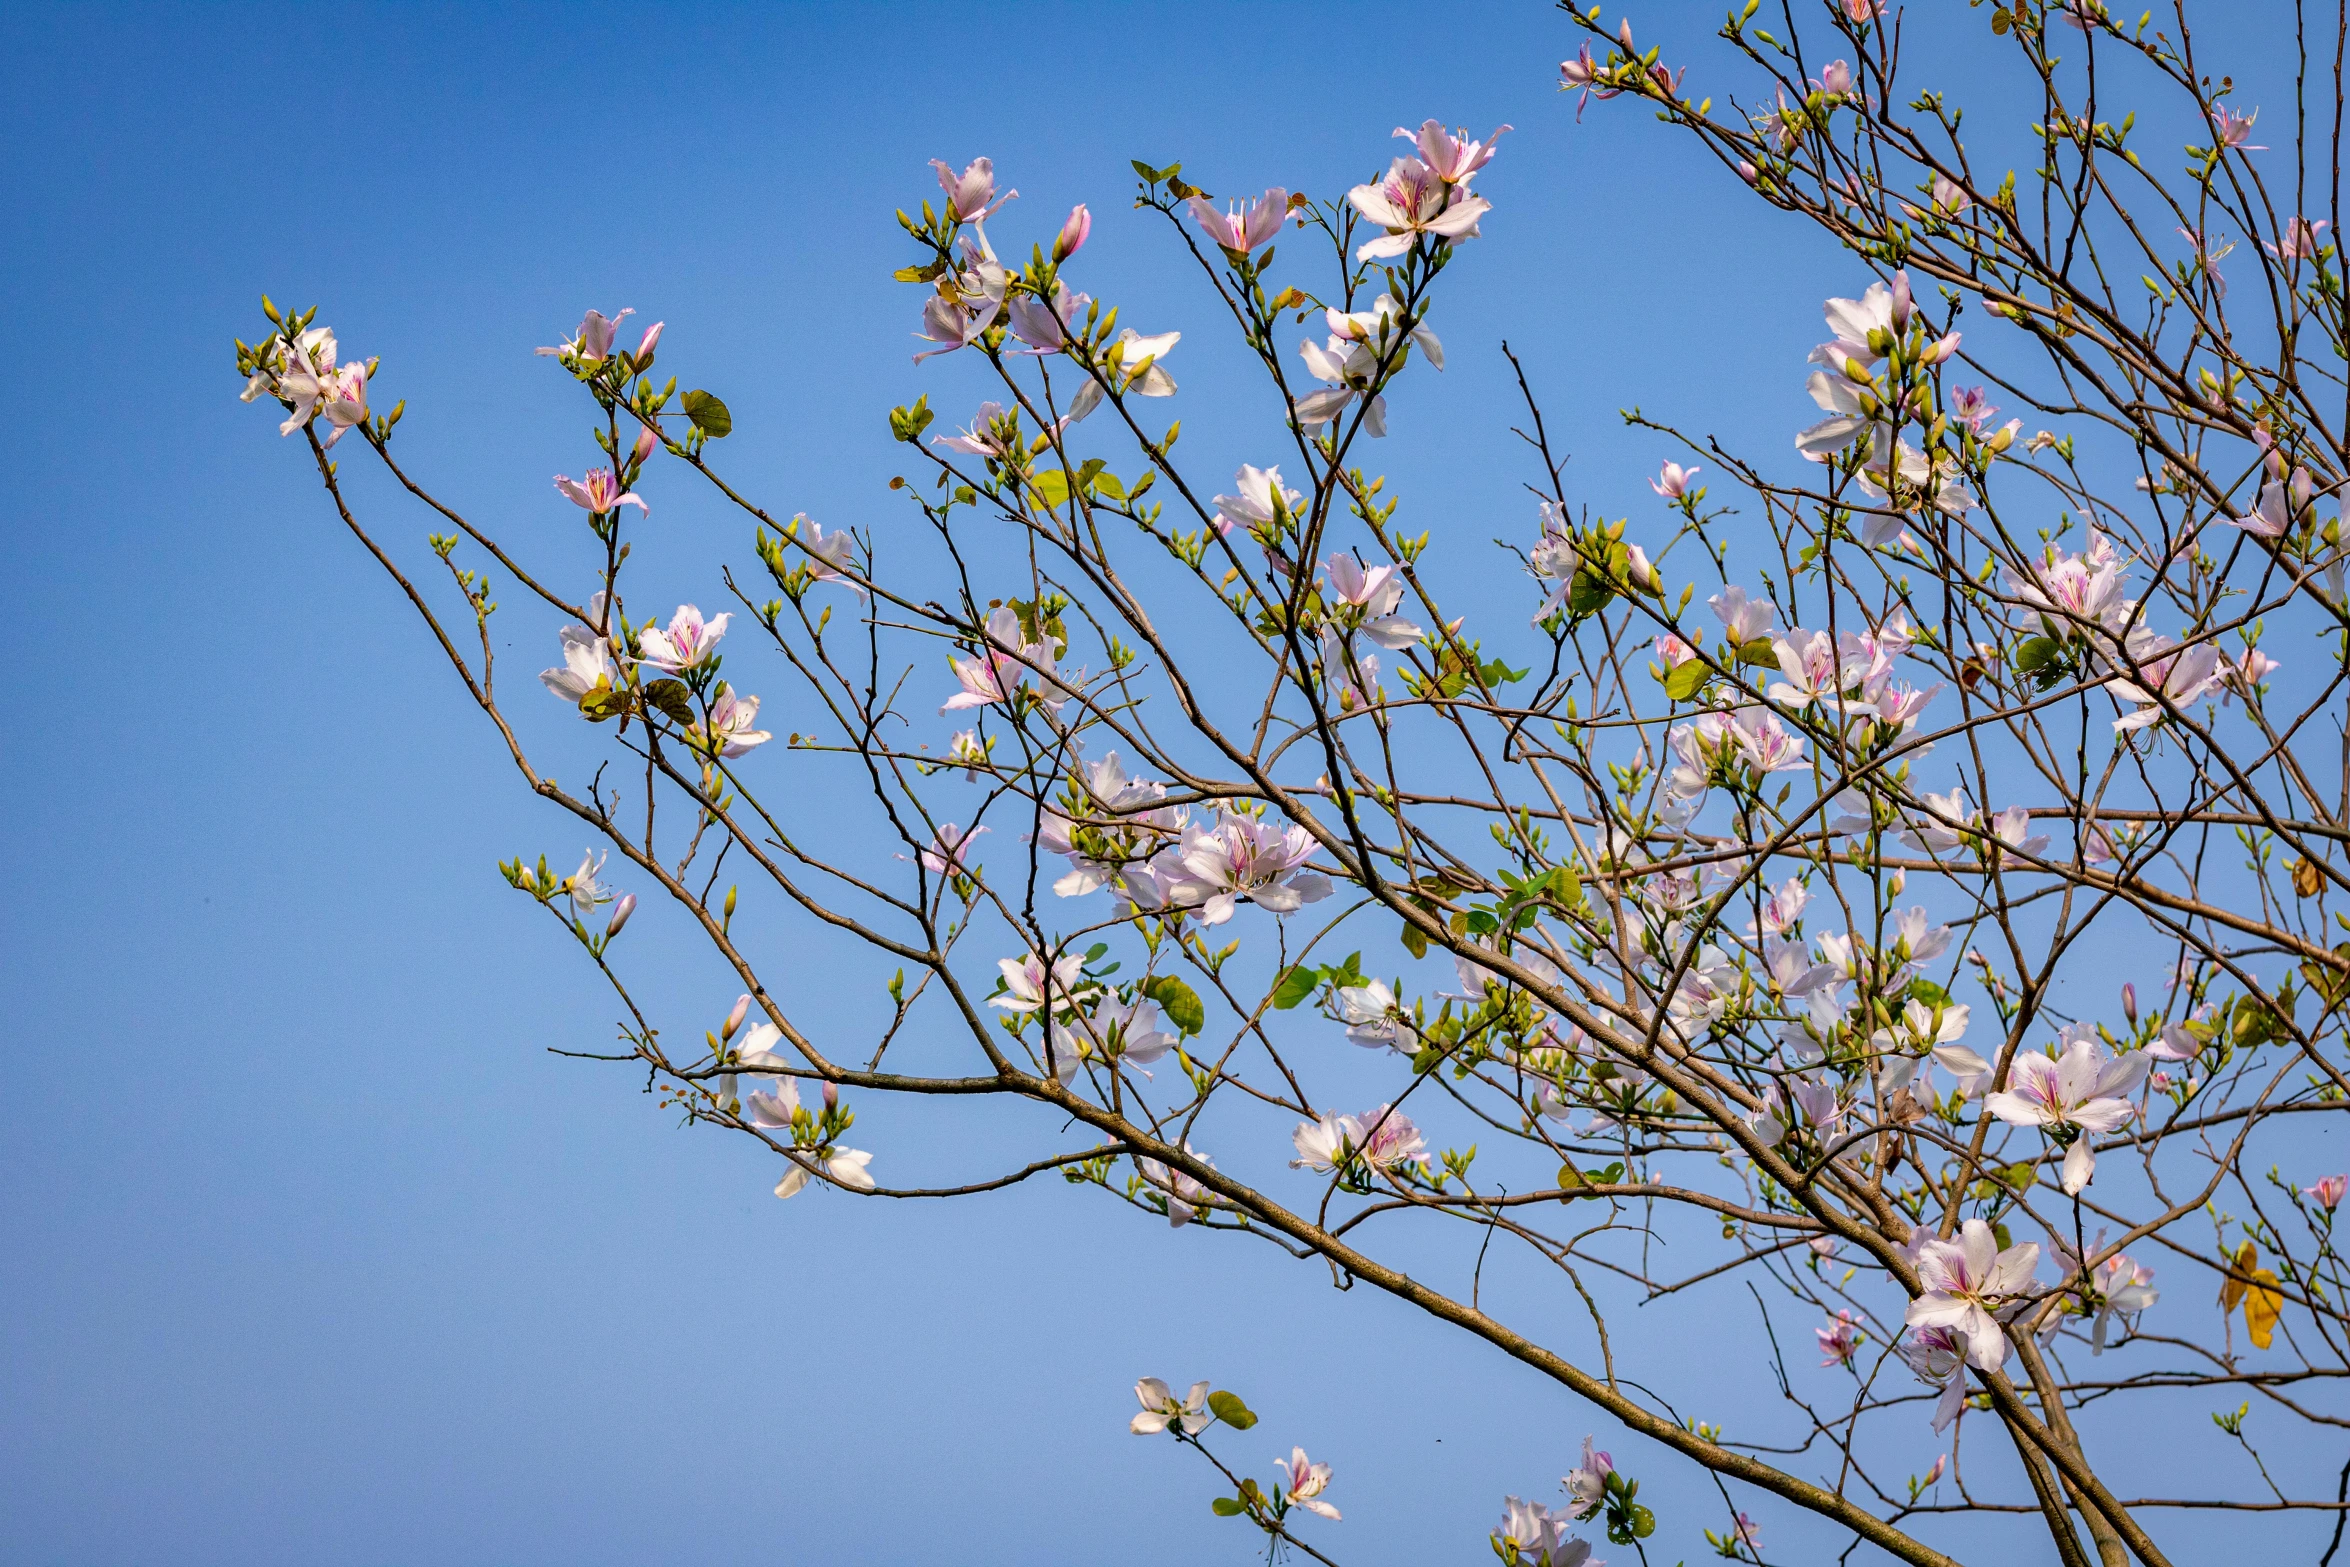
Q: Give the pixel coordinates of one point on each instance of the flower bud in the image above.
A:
(1075, 230)
(1901, 302)
(1895, 882)
(644, 349)
(831, 1096)
(1748, 172)
(620, 913)
(646, 443)
(2130, 1003)
(734, 1019)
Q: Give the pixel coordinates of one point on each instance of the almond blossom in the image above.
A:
(1970, 1284)
(2077, 1092)
(1305, 1482)
(1412, 199)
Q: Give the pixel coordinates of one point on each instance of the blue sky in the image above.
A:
(315, 1254)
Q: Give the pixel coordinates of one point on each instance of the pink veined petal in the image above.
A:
(2101, 1115)
(1373, 203)
(1388, 245)
(2015, 1109)
(2079, 1163)
(1457, 219)
(1953, 1399)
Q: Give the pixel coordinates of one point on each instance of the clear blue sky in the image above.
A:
(313, 1254)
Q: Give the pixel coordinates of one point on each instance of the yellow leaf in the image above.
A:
(2240, 1266)
(2264, 1303)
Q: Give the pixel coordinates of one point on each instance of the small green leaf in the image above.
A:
(1414, 941)
(1231, 1410)
(1226, 1507)
(1181, 1002)
(602, 703)
(1685, 680)
(1589, 594)
(671, 697)
(1566, 886)
(1761, 651)
(708, 414)
(1296, 985)
(2035, 653)
(921, 274)
(1052, 486)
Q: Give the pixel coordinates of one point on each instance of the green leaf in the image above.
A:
(1496, 672)
(671, 697)
(1231, 1410)
(1181, 1002)
(1761, 651)
(602, 703)
(708, 414)
(1226, 1507)
(1566, 886)
(1589, 594)
(1415, 941)
(1296, 985)
(1052, 486)
(921, 274)
(1107, 484)
(1685, 680)
(2035, 653)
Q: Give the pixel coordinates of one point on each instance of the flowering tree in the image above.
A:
(1719, 901)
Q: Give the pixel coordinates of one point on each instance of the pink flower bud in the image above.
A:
(1747, 172)
(831, 1096)
(1901, 302)
(644, 349)
(646, 443)
(1624, 35)
(1836, 77)
(1941, 1463)
(734, 1019)
(620, 913)
(2130, 1003)
(1075, 230)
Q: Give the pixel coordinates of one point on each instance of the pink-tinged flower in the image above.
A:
(2174, 1043)
(1941, 1465)
(1122, 1031)
(1029, 986)
(1783, 907)
(1365, 601)
(2011, 829)
(1823, 1108)
(2168, 678)
(944, 856)
(599, 492)
(2247, 672)
(1539, 1537)
(1076, 229)
(994, 433)
(1247, 226)
(1364, 347)
(841, 1166)
(2124, 1289)
(1939, 1355)
(830, 555)
(307, 379)
(1244, 858)
(1835, 78)
(2328, 1191)
(620, 913)
(1263, 501)
(1046, 328)
(1674, 651)
(2074, 592)
(1864, 10)
(1749, 1533)
(2232, 128)
(1390, 1140)
(1971, 407)
(729, 730)
(1745, 620)
(947, 323)
(2080, 1090)
(1451, 155)
(1185, 1196)
(1672, 480)
(1840, 1340)
(1765, 744)
(1412, 200)
(1587, 1481)
(2301, 241)
(968, 752)
(970, 195)
(1583, 74)
(1161, 1409)
(1817, 671)
(1306, 1482)
(593, 341)
(1950, 198)
(688, 641)
(1005, 657)
(587, 892)
(587, 661)
(734, 1018)
(2281, 501)
(1968, 1283)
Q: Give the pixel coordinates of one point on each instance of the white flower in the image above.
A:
(2079, 1089)
(1161, 1410)
(1323, 1144)
(1969, 1282)
(1374, 1018)
(586, 892)
(1306, 1482)
(1132, 366)
(1248, 859)
(843, 1166)
(1028, 987)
